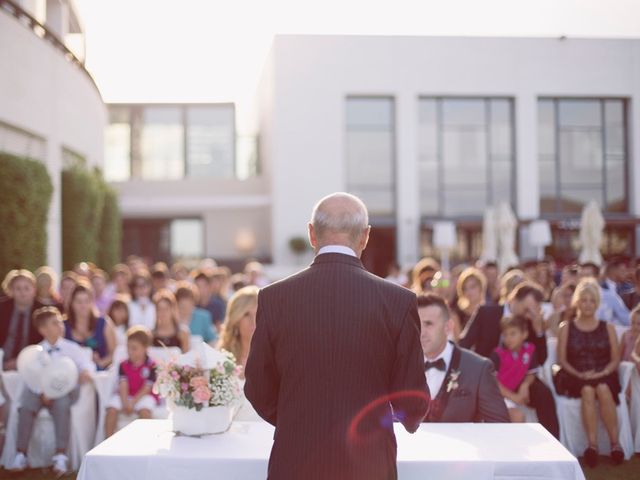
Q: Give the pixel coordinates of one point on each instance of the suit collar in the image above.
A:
(453, 366)
(337, 258)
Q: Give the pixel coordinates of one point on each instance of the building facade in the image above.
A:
(433, 128)
(189, 186)
(422, 128)
(51, 109)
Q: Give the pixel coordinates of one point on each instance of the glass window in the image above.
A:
(582, 154)
(187, 238)
(370, 155)
(465, 154)
(162, 143)
(117, 141)
(210, 141)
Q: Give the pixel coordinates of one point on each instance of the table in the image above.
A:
(148, 450)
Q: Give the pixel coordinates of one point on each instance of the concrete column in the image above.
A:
(57, 19)
(527, 181)
(634, 140)
(407, 186)
(36, 8)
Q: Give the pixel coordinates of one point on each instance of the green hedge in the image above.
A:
(110, 230)
(91, 225)
(25, 196)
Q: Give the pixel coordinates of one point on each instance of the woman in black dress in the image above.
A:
(589, 356)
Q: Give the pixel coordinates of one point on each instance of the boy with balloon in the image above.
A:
(51, 371)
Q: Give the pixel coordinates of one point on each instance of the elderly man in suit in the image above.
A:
(335, 357)
(463, 384)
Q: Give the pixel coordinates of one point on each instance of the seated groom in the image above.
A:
(463, 384)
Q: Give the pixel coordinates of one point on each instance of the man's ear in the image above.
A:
(365, 238)
(313, 240)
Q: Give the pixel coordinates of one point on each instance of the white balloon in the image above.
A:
(59, 378)
(32, 360)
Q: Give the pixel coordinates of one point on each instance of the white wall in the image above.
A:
(312, 75)
(225, 206)
(46, 95)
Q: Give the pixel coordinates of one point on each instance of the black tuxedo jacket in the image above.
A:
(335, 354)
(6, 311)
(475, 398)
(482, 333)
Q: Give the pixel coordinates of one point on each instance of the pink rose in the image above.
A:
(184, 387)
(199, 382)
(201, 395)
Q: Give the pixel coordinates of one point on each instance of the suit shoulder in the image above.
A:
(284, 283)
(472, 358)
(6, 304)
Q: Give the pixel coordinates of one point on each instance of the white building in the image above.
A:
(426, 128)
(51, 109)
(422, 128)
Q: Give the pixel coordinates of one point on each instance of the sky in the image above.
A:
(213, 51)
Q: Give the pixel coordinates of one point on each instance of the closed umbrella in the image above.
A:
(489, 236)
(507, 228)
(591, 227)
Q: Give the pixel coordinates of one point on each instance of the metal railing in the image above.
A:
(43, 32)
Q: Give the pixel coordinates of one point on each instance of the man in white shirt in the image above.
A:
(48, 321)
(612, 307)
(463, 385)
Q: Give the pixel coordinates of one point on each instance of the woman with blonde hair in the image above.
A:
(169, 331)
(46, 281)
(240, 323)
(471, 291)
(508, 282)
(589, 355)
(423, 274)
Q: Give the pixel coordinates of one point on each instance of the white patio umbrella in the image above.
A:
(489, 236)
(507, 228)
(591, 227)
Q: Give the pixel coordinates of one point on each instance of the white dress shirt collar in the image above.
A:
(47, 346)
(435, 377)
(446, 355)
(337, 249)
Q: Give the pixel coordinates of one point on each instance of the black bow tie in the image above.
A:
(53, 349)
(438, 365)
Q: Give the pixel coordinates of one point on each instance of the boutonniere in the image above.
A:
(453, 381)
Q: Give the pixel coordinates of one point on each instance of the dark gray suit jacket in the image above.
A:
(334, 350)
(477, 397)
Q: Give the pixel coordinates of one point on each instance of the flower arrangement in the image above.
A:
(197, 386)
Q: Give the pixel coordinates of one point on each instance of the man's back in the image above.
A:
(331, 344)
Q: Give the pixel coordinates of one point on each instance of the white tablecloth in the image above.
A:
(148, 450)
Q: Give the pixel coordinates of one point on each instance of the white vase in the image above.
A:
(209, 420)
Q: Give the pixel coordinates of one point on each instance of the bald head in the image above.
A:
(339, 219)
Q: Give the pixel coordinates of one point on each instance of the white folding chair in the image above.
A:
(634, 409)
(572, 434)
(42, 443)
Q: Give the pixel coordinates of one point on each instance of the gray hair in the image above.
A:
(349, 217)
